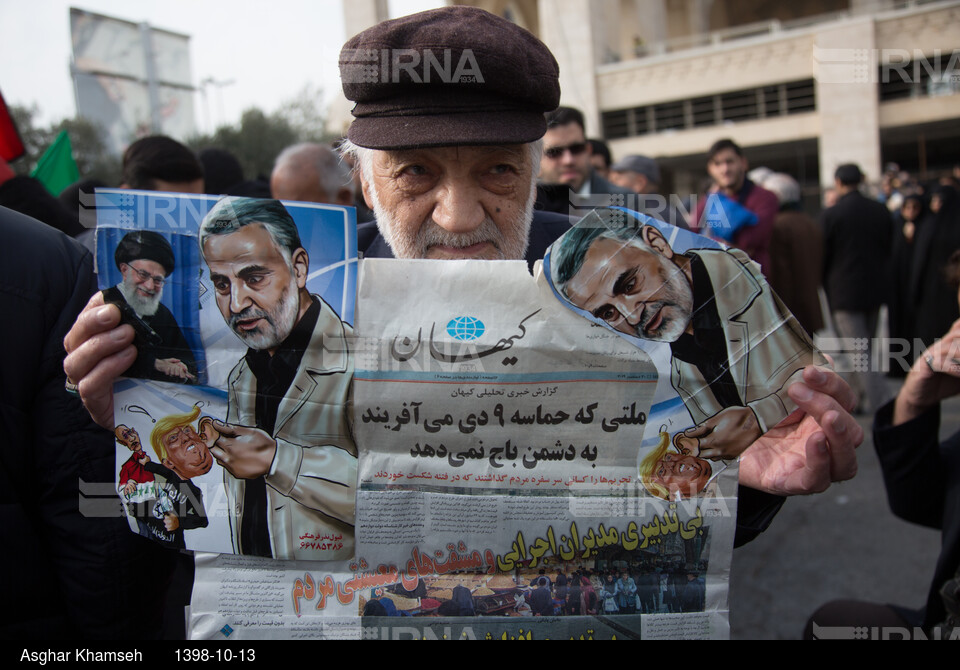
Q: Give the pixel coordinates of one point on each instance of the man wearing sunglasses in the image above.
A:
(567, 179)
(145, 259)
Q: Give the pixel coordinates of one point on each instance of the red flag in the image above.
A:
(11, 147)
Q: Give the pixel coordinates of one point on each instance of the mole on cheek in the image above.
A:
(498, 210)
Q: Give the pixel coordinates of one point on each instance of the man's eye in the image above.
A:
(501, 169)
(254, 280)
(414, 171)
(221, 286)
(608, 314)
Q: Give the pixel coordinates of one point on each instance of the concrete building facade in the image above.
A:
(802, 86)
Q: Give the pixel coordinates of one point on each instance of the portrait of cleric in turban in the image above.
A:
(145, 261)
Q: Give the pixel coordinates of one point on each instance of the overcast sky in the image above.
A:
(270, 49)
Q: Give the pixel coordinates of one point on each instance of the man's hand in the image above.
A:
(726, 434)
(245, 452)
(99, 350)
(812, 447)
(173, 367)
(171, 521)
(129, 488)
(934, 376)
(144, 460)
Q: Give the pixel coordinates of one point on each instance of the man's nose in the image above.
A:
(239, 297)
(631, 310)
(566, 157)
(458, 208)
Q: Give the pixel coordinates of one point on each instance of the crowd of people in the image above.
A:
(670, 590)
(442, 180)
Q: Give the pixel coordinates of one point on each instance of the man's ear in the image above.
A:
(656, 241)
(366, 191)
(301, 266)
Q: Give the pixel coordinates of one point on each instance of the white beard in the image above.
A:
(280, 320)
(142, 305)
(676, 296)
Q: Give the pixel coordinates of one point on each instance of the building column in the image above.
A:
(358, 15)
(568, 28)
(651, 21)
(698, 15)
(845, 63)
(860, 7)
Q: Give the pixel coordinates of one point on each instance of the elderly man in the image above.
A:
(735, 347)
(310, 172)
(145, 260)
(449, 167)
(287, 445)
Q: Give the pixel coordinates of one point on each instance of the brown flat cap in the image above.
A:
(449, 76)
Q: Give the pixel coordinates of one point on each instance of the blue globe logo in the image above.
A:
(465, 328)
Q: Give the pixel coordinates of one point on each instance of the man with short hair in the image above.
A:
(735, 348)
(146, 260)
(567, 179)
(159, 163)
(310, 172)
(452, 165)
(727, 167)
(287, 446)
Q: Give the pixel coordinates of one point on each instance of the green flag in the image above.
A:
(56, 168)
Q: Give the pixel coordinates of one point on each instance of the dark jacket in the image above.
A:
(857, 243)
(559, 199)
(796, 261)
(66, 574)
(933, 300)
(172, 344)
(922, 479)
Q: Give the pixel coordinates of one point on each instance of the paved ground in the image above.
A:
(843, 543)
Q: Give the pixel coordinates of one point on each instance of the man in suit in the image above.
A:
(735, 347)
(287, 445)
(567, 179)
(858, 239)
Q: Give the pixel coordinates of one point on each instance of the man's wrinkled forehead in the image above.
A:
(519, 151)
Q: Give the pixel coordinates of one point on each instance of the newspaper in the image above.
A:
(493, 454)
(204, 461)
